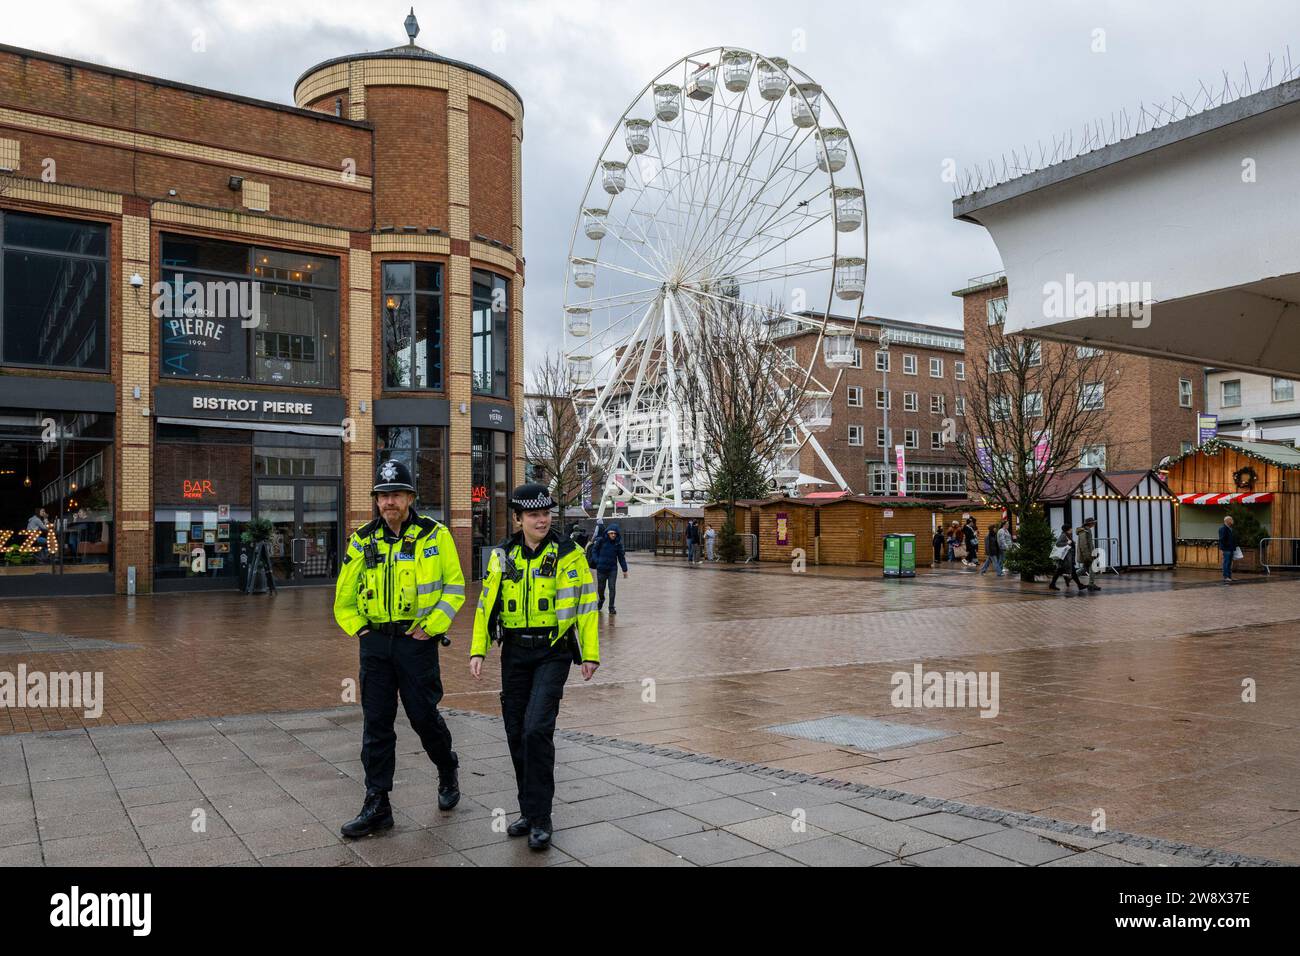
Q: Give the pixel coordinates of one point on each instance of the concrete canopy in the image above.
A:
(1195, 225)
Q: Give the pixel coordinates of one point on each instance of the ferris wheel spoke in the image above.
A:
(746, 207)
(796, 182)
(731, 186)
(735, 268)
(612, 229)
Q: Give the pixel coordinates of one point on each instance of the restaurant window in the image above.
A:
(490, 491)
(412, 311)
(240, 313)
(203, 499)
(56, 492)
(54, 292)
(423, 449)
(491, 307)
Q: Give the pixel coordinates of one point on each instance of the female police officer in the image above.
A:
(539, 601)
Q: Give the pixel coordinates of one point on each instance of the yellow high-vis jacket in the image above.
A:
(416, 578)
(565, 599)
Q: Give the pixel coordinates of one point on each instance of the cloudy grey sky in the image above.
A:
(918, 83)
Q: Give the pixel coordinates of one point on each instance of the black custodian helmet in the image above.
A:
(531, 497)
(392, 476)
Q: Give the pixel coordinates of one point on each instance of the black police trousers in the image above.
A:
(532, 683)
(393, 666)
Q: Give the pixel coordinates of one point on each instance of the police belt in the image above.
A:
(529, 637)
(392, 628)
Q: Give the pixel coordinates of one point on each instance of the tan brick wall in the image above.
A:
(122, 143)
(491, 180)
(1143, 420)
(852, 460)
(410, 153)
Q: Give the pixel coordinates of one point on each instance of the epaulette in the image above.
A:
(369, 528)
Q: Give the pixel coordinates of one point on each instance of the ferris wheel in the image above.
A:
(729, 178)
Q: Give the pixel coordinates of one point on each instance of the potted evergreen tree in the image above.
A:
(1032, 552)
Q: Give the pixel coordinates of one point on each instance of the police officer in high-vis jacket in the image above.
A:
(399, 588)
(539, 600)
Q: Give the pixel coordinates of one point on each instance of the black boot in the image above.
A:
(519, 828)
(539, 836)
(449, 785)
(376, 814)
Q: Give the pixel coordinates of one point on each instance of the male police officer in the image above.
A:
(538, 599)
(399, 588)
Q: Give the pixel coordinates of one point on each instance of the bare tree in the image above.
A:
(1030, 407)
(739, 392)
(552, 433)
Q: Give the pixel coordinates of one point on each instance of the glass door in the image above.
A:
(305, 520)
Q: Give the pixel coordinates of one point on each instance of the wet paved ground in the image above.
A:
(1127, 702)
(272, 791)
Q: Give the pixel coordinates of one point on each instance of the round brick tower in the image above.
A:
(447, 190)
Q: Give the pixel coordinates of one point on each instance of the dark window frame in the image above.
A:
(500, 363)
(415, 461)
(439, 293)
(251, 335)
(104, 260)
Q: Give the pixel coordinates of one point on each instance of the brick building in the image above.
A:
(216, 308)
(919, 373)
(1149, 405)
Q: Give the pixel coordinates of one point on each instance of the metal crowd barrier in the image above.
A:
(1278, 546)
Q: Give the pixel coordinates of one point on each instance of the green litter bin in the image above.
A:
(900, 555)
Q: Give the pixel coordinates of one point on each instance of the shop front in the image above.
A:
(490, 479)
(225, 457)
(57, 473)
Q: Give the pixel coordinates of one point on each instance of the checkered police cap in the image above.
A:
(531, 497)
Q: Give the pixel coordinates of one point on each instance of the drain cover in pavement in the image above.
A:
(859, 732)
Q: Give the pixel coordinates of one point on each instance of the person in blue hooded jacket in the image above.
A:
(606, 557)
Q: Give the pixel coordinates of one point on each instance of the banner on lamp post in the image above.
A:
(1042, 450)
(900, 458)
(1207, 427)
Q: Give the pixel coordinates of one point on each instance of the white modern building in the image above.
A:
(1179, 242)
(1254, 407)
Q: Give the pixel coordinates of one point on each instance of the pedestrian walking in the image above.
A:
(1086, 544)
(398, 591)
(939, 543)
(1228, 547)
(539, 602)
(992, 550)
(1005, 541)
(607, 557)
(971, 538)
(710, 536)
(954, 540)
(1064, 555)
(692, 540)
(578, 536)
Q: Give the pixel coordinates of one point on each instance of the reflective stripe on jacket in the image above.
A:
(564, 600)
(416, 578)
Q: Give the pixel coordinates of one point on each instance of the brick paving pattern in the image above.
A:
(1128, 701)
(271, 790)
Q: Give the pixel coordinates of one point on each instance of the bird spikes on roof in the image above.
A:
(1107, 131)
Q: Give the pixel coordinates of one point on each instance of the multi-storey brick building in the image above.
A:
(915, 379)
(216, 308)
(1149, 404)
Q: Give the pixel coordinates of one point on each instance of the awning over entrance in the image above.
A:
(1239, 498)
